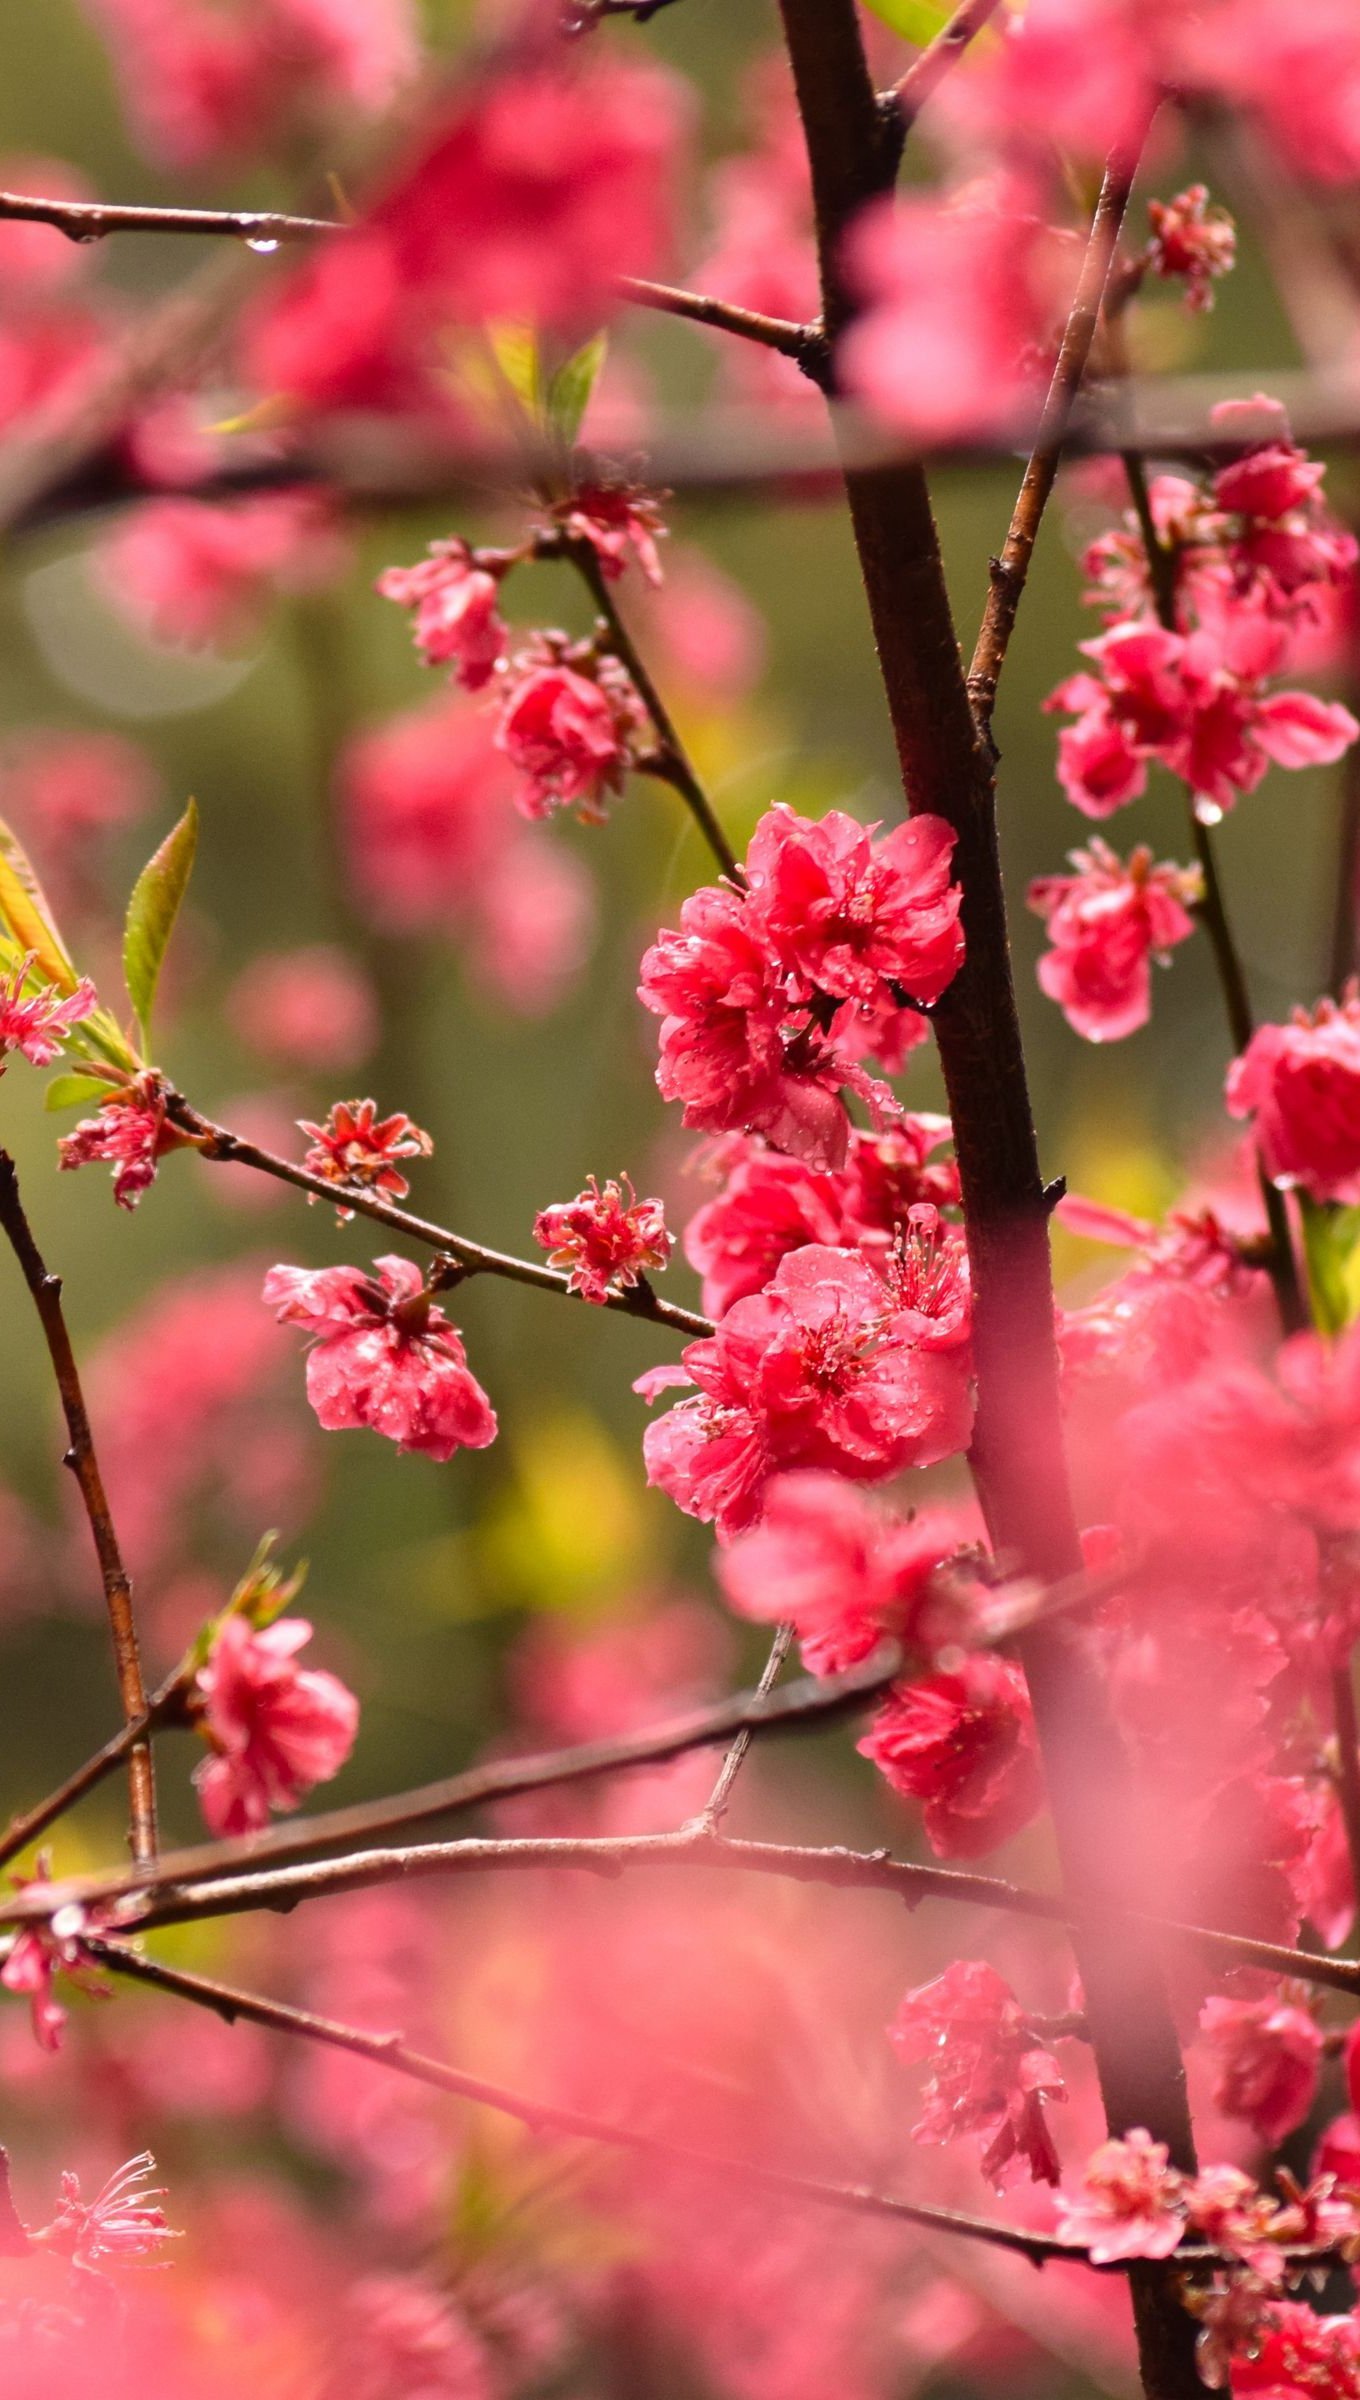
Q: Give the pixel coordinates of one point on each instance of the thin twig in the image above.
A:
(1010, 570)
(804, 344)
(84, 1465)
(549, 2116)
(218, 1143)
(164, 1708)
(1348, 1763)
(91, 220)
(712, 1814)
(807, 1702)
(940, 57)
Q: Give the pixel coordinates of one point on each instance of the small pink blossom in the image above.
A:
(1193, 240)
(990, 2075)
(1267, 2054)
(607, 1238)
(36, 1022)
(822, 1369)
(570, 735)
(1301, 1084)
(1107, 923)
(962, 1742)
(356, 1146)
(40, 1952)
(1130, 2204)
(616, 518)
(384, 1356)
(132, 1132)
(121, 2226)
(455, 605)
(275, 1729)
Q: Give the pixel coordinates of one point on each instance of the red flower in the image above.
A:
(455, 604)
(963, 1742)
(384, 1356)
(823, 1369)
(1191, 239)
(990, 2074)
(36, 1022)
(1299, 2352)
(571, 735)
(614, 518)
(1268, 2054)
(851, 915)
(358, 1147)
(1301, 1082)
(1106, 923)
(276, 1728)
(132, 1132)
(607, 1238)
(1130, 2204)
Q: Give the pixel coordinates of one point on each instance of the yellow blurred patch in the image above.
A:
(572, 1531)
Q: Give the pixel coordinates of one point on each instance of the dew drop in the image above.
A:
(261, 243)
(1207, 812)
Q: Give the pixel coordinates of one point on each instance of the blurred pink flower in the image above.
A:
(311, 1008)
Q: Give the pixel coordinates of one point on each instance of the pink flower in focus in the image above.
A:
(822, 1369)
(990, 2075)
(384, 1356)
(201, 573)
(570, 735)
(36, 1023)
(131, 1132)
(455, 605)
(963, 1743)
(1193, 240)
(358, 1147)
(1106, 923)
(1130, 2203)
(962, 298)
(1301, 1084)
(852, 915)
(121, 2226)
(276, 1729)
(614, 518)
(824, 1560)
(310, 1008)
(607, 1238)
(1268, 2054)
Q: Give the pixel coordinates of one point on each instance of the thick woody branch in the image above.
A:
(1010, 571)
(83, 1462)
(940, 57)
(217, 1143)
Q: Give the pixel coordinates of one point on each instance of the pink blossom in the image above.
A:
(121, 2226)
(275, 1728)
(990, 2074)
(570, 735)
(963, 1743)
(36, 1022)
(384, 1356)
(615, 518)
(455, 605)
(851, 915)
(824, 1560)
(607, 1238)
(1267, 2054)
(1301, 1084)
(1299, 2351)
(199, 573)
(770, 1204)
(132, 1132)
(1129, 2204)
(40, 1952)
(822, 1369)
(358, 1147)
(71, 786)
(1106, 923)
(1193, 240)
(962, 297)
(311, 1008)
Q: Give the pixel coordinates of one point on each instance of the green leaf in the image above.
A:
(515, 350)
(1331, 1249)
(916, 20)
(152, 910)
(27, 917)
(570, 389)
(75, 1091)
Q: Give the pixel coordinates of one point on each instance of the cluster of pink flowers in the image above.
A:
(832, 1365)
(608, 1239)
(384, 1355)
(1132, 2203)
(274, 1728)
(991, 2073)
(767, 993)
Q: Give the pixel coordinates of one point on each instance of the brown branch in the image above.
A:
(218, 1143)
(940, 57)
(715, 1809)
(91, 220)
(804, 344)
(796, 1705)
(1348, 1763)
(1010, 571)
(81, 1458)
